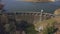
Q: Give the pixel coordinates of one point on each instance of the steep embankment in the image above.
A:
(57, 18)
(57, 13)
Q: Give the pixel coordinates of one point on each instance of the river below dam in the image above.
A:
(13, 5)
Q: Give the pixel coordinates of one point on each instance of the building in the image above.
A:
(1, 5)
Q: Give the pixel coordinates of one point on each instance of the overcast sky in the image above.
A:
(57, 0)
(21, 0)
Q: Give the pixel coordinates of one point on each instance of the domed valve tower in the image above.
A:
(1, 6)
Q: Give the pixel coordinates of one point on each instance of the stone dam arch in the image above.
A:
(30, 17)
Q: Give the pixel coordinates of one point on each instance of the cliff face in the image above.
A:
(40, 0)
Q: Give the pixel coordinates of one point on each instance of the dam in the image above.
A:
(30, 17)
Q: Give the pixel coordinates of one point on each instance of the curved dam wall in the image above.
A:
(29, 17)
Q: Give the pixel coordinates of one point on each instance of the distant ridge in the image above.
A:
(40, 0)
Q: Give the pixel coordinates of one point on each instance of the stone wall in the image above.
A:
(29, 17)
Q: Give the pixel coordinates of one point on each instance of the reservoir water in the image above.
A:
(13, 5)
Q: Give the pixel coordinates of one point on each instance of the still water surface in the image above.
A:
(13, 5)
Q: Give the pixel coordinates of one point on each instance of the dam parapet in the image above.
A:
(30, 17)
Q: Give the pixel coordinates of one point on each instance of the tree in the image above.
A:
(27, 27)
(30, 29)
(50, 28)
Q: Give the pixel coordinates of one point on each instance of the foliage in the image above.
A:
(31, 29)
(27, 27)
(48, 26)
(49, 21)
(49, 30)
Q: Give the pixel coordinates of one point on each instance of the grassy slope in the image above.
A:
(45, 23)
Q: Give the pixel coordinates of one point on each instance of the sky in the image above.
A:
(22, 0)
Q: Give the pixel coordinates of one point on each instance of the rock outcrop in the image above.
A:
(57, 18)
(57, 15)
(57, 11)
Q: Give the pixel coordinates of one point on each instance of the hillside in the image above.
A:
(40, 0)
